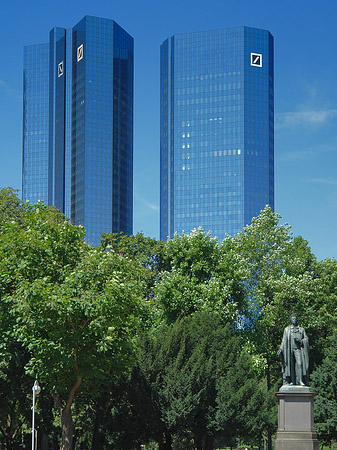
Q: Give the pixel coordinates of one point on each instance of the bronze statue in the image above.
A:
(294, 352)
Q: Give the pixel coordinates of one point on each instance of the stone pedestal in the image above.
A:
(296, 419)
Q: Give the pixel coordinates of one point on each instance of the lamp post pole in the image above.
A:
(36, 390)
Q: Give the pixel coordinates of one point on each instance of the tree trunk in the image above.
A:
(98, 438)
(197, 442)
(67, 425)
(168, 441)
(209, 443)
(270, 444)
(44, 441)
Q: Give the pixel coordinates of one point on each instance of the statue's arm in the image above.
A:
(305, 339)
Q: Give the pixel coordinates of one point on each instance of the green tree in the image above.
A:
(189, 371)
(71, 307)
(151, 255)
(149, 252)
(45, 245)
(202, 276)
(124, 414)
(327, 272)
(15, 384)
(36, 244)
(10, 206)
(324, 381)
(281, 278)
(15, 397)
(246, 408)
(80, 331)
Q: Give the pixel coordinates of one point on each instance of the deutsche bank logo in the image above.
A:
(256, 59)
(80, 53)
(60, 69)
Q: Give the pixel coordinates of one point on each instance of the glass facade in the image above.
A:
(89, 126)
(35, 161)
(217, 130)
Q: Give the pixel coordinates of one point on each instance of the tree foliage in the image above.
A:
(10, 206)
(71, 307)
(324, 381)
(201, 277)
(282, 278)
(199, 379)
(141, 341)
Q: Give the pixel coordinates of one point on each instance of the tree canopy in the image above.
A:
(324, 380)
(171, 345)
(73, 308)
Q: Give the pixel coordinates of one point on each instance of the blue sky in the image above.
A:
(305, 36)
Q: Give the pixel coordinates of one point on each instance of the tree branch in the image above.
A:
(73, 392)
(17, 429)
(86, 323)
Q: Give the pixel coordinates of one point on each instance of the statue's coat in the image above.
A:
(287, 354)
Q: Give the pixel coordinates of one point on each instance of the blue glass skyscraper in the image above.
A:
(217, 130)
(35, 123)
(78, 125)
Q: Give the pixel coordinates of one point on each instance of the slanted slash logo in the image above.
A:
(256, 59)
(60, 69)
(80, 52)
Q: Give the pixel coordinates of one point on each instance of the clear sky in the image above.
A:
(305, 34)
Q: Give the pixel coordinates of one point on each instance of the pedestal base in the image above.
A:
(296, 419)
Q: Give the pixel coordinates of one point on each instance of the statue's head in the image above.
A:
(293, 319)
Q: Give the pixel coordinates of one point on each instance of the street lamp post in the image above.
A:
(36, 390)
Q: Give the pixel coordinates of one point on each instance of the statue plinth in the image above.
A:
(296, 419)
